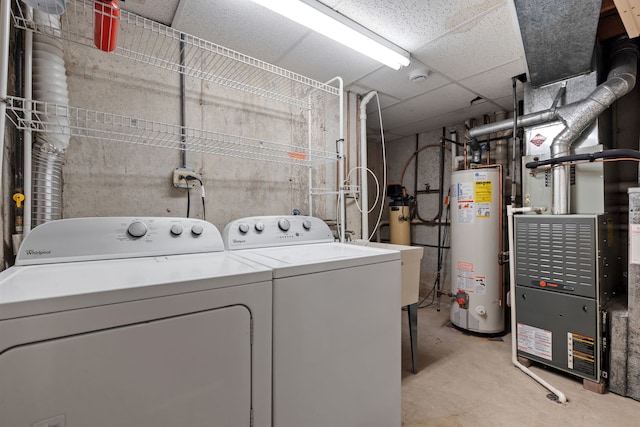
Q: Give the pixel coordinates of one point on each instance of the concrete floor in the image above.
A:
(467, 380)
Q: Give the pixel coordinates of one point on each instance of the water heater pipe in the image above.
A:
(364, 194)
(514, 331)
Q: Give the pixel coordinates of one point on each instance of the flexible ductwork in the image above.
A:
(49, 85)
(577, 116)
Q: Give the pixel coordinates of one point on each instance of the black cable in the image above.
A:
(606, 154)
(204, 212)
(188, 195)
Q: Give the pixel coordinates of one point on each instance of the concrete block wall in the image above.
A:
(103, 178)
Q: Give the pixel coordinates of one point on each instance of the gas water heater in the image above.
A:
(476, 221)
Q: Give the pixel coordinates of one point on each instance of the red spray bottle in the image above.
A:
(106, 24)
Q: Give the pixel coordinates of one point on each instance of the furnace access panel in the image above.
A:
(566, 267)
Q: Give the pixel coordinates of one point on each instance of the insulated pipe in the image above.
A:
(364, 194)
(514, 335)
(577, 116)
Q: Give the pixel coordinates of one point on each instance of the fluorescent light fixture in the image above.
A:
(330, 23)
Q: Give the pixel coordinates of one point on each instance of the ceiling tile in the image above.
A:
(495, 83)
(161, 11)
(240, 25)
(398, 84)
(448, 119)
(321, 59)
(431, 104)
(411, 23)
(474, 47)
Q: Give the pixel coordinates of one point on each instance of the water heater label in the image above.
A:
(483, 191)
(534, 341)
(465, 192)
(466, 211)
(581, 353)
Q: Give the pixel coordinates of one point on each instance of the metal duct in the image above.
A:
(569, 26)
(577, 116)
(49, 85)
(47, 182)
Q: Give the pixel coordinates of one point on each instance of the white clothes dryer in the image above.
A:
(133, 322)
(336, 323)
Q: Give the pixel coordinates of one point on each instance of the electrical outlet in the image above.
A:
(179, 176)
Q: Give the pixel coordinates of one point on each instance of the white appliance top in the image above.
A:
(83, 239)
(144, 269)
(295, 260)
(270, 231)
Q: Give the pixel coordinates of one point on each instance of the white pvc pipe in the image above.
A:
(364, 192)
(5, 10)
(28, 135)
(341, 198)
(514, 332)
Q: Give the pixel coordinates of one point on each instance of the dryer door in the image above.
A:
(189, 370)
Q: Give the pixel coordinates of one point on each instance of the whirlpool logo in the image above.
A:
(38, 252)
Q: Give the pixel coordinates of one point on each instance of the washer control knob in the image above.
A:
(306, 224)
(176, 229)
(259, 227)
(137, 229)
(283, 224)
(243, 228)
(197, 230)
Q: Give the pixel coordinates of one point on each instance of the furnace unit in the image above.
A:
(566, 267)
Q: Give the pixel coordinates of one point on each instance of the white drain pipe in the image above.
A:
(514, 330)
(364, 193)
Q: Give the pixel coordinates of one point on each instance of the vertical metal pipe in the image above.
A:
(364, 191)
(340, 147)
(28, 135)
(515, 139)
(183, 101)
(5, 9)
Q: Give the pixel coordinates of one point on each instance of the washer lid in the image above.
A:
(48, 288)
(296, 260)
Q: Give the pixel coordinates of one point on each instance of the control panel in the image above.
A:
(267, 231)
(86, 239)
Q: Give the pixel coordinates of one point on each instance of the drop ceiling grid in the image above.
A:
(474, 47)
(161, 11)
(431, 104)
(447, 119)
(412, 23)
(240, 25)
(495, 83)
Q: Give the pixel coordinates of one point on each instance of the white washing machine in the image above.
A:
(133, 322)
(336, 323)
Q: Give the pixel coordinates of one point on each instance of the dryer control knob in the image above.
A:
(197, 230)
(176, 229)
(259, 227)
(243, 228)
(137, 229)
(306, 224)
(283, 224)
